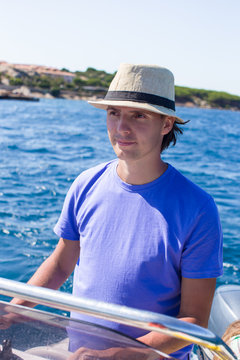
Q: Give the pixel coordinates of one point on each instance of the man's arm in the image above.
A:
(196, 301)
(54, 271)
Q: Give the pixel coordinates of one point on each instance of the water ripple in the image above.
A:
(45, 145)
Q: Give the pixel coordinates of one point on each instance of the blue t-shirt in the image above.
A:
(137, 241)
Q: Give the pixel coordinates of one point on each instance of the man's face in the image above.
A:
(136, 134)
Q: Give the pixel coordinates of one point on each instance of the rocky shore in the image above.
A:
(25, 93)
(33, 82)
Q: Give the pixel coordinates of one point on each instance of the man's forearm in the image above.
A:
(55, 269)
(166, 343)
(48, 275)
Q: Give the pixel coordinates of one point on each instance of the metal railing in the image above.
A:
(122, 314)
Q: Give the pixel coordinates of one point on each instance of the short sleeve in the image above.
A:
(66, 226)
(202, 253)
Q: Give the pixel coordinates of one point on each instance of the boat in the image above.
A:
(11, 96)
(225, 308)
(27, 333)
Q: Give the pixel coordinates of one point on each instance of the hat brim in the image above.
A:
(103, 104)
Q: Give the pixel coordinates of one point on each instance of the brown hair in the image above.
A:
(171, 137)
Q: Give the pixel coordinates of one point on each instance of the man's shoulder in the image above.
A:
(192, 204)
(97, 169)
(92, 174)
(187, 188)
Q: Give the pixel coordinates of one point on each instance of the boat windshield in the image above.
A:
(33, 334)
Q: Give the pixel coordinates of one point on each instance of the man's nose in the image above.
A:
(123, 123)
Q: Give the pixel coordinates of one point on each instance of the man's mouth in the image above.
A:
(125, 142)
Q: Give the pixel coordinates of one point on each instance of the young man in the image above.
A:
(149, 237)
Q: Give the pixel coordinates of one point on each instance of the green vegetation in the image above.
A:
(212, 98)
(93, 82)
(77, 81)
(64, 69)
(93, 77)
(15, 81)
(55, 91)
(43, 81)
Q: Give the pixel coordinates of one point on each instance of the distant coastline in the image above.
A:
(32, 82)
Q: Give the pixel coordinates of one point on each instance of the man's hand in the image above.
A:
(114, 354)
(7, 320)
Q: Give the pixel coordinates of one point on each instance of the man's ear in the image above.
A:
(168, 122)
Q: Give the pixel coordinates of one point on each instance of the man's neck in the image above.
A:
(136, 173)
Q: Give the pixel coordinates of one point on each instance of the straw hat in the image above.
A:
(146, 87)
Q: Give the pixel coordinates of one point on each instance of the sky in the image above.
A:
(198, 40)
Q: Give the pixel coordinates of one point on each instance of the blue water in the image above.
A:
(45, 145)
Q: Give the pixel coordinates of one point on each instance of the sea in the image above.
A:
(45, 145)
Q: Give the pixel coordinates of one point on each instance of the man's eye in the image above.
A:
(140, 116)
(112, 112)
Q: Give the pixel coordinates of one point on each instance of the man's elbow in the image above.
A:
(200, 321)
